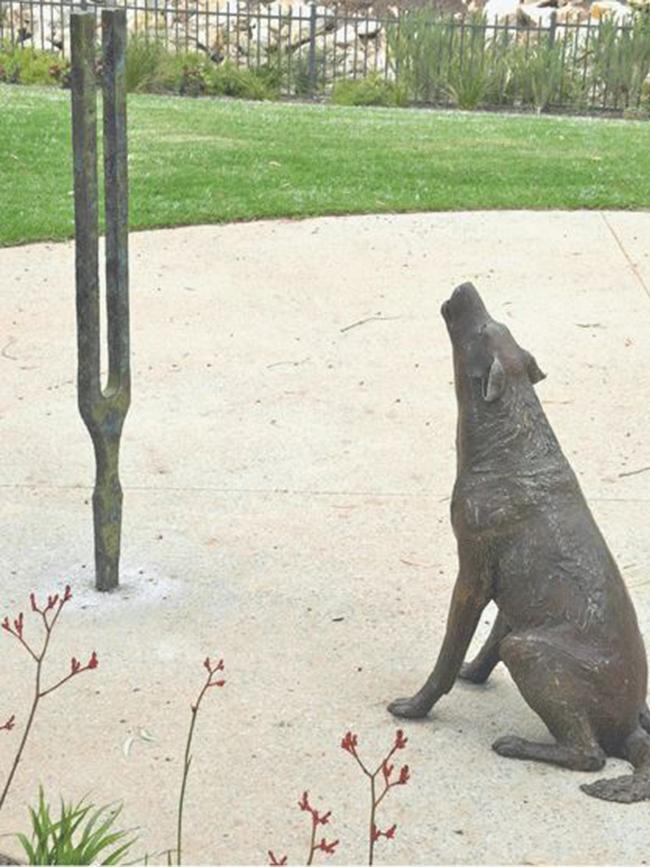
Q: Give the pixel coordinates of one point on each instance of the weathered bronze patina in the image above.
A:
(102, 409)
(566, 628)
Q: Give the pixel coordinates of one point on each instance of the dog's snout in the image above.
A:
(464, 306)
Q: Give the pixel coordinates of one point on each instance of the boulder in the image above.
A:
(500, 10)
(368, 28)
(532, 15)
(610, 9)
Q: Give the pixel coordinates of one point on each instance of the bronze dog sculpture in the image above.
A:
(566, 628)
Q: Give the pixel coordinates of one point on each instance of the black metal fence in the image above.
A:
(417, 56)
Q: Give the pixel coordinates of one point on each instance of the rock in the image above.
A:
(572, 15)
(345, 36)
(501, 10)
(368, 29)
(610, 9)
(529, 14)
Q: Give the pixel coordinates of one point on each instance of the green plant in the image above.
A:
(184, 73)
(499, 48)
(620, 61)
(371, 90)
(145, 58)
(60, 72)
(538, 71)
(274, 73)
(228, 79)
(151, 68)
(192, 82)
(420, 48)
(81, 835)
(297, 71)
(640, 113)
(9, 70)
(27, 66)
(438, 58)
(469, 70)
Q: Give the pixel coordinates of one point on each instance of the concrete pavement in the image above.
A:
(287, 464)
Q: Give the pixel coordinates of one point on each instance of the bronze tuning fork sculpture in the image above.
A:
(102, 407)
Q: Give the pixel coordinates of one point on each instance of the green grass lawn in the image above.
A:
(206, 161)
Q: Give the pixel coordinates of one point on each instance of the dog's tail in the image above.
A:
(632, 787)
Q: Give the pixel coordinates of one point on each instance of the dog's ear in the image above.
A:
(494, 383)
(532, 368)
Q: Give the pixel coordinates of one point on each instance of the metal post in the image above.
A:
(552, 29)
(102, 409)
(312, 49)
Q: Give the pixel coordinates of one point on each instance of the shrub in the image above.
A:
(228, 79)
(9, 70)
(439, 58)
(538, 71)
(420, 46)
(29, 66)
(620, 61)
(60, 72)
(372, 90)
(179, 73)
(297, 71)
(145, 60)
(469, 67)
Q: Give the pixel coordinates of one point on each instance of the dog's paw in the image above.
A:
(472, 673)
(509, 746)
(409, 708)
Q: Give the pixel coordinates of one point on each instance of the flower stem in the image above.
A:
(312, 845)
(32, 712)
(373, 808)
(21, 747)
(187, 761)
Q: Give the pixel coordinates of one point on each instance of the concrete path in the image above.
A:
(287, 466)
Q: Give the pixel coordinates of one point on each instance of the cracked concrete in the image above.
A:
(287, 465)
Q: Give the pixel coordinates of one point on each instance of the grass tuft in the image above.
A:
(81, 835)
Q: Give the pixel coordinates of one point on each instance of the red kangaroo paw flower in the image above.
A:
(349, 743)
(404, 776)
(328, 847)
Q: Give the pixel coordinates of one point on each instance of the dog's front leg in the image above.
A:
(468, 602)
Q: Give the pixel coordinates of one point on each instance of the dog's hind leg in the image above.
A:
(644, 718)
(489, 656)
(555, 685)
(632, 787)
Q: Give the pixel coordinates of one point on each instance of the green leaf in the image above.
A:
(79, 835)
(27, 848)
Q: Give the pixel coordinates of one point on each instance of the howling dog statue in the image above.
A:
(566, 628)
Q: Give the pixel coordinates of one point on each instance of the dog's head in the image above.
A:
(487, 359)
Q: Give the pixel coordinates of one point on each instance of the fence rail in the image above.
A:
(420, 56)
